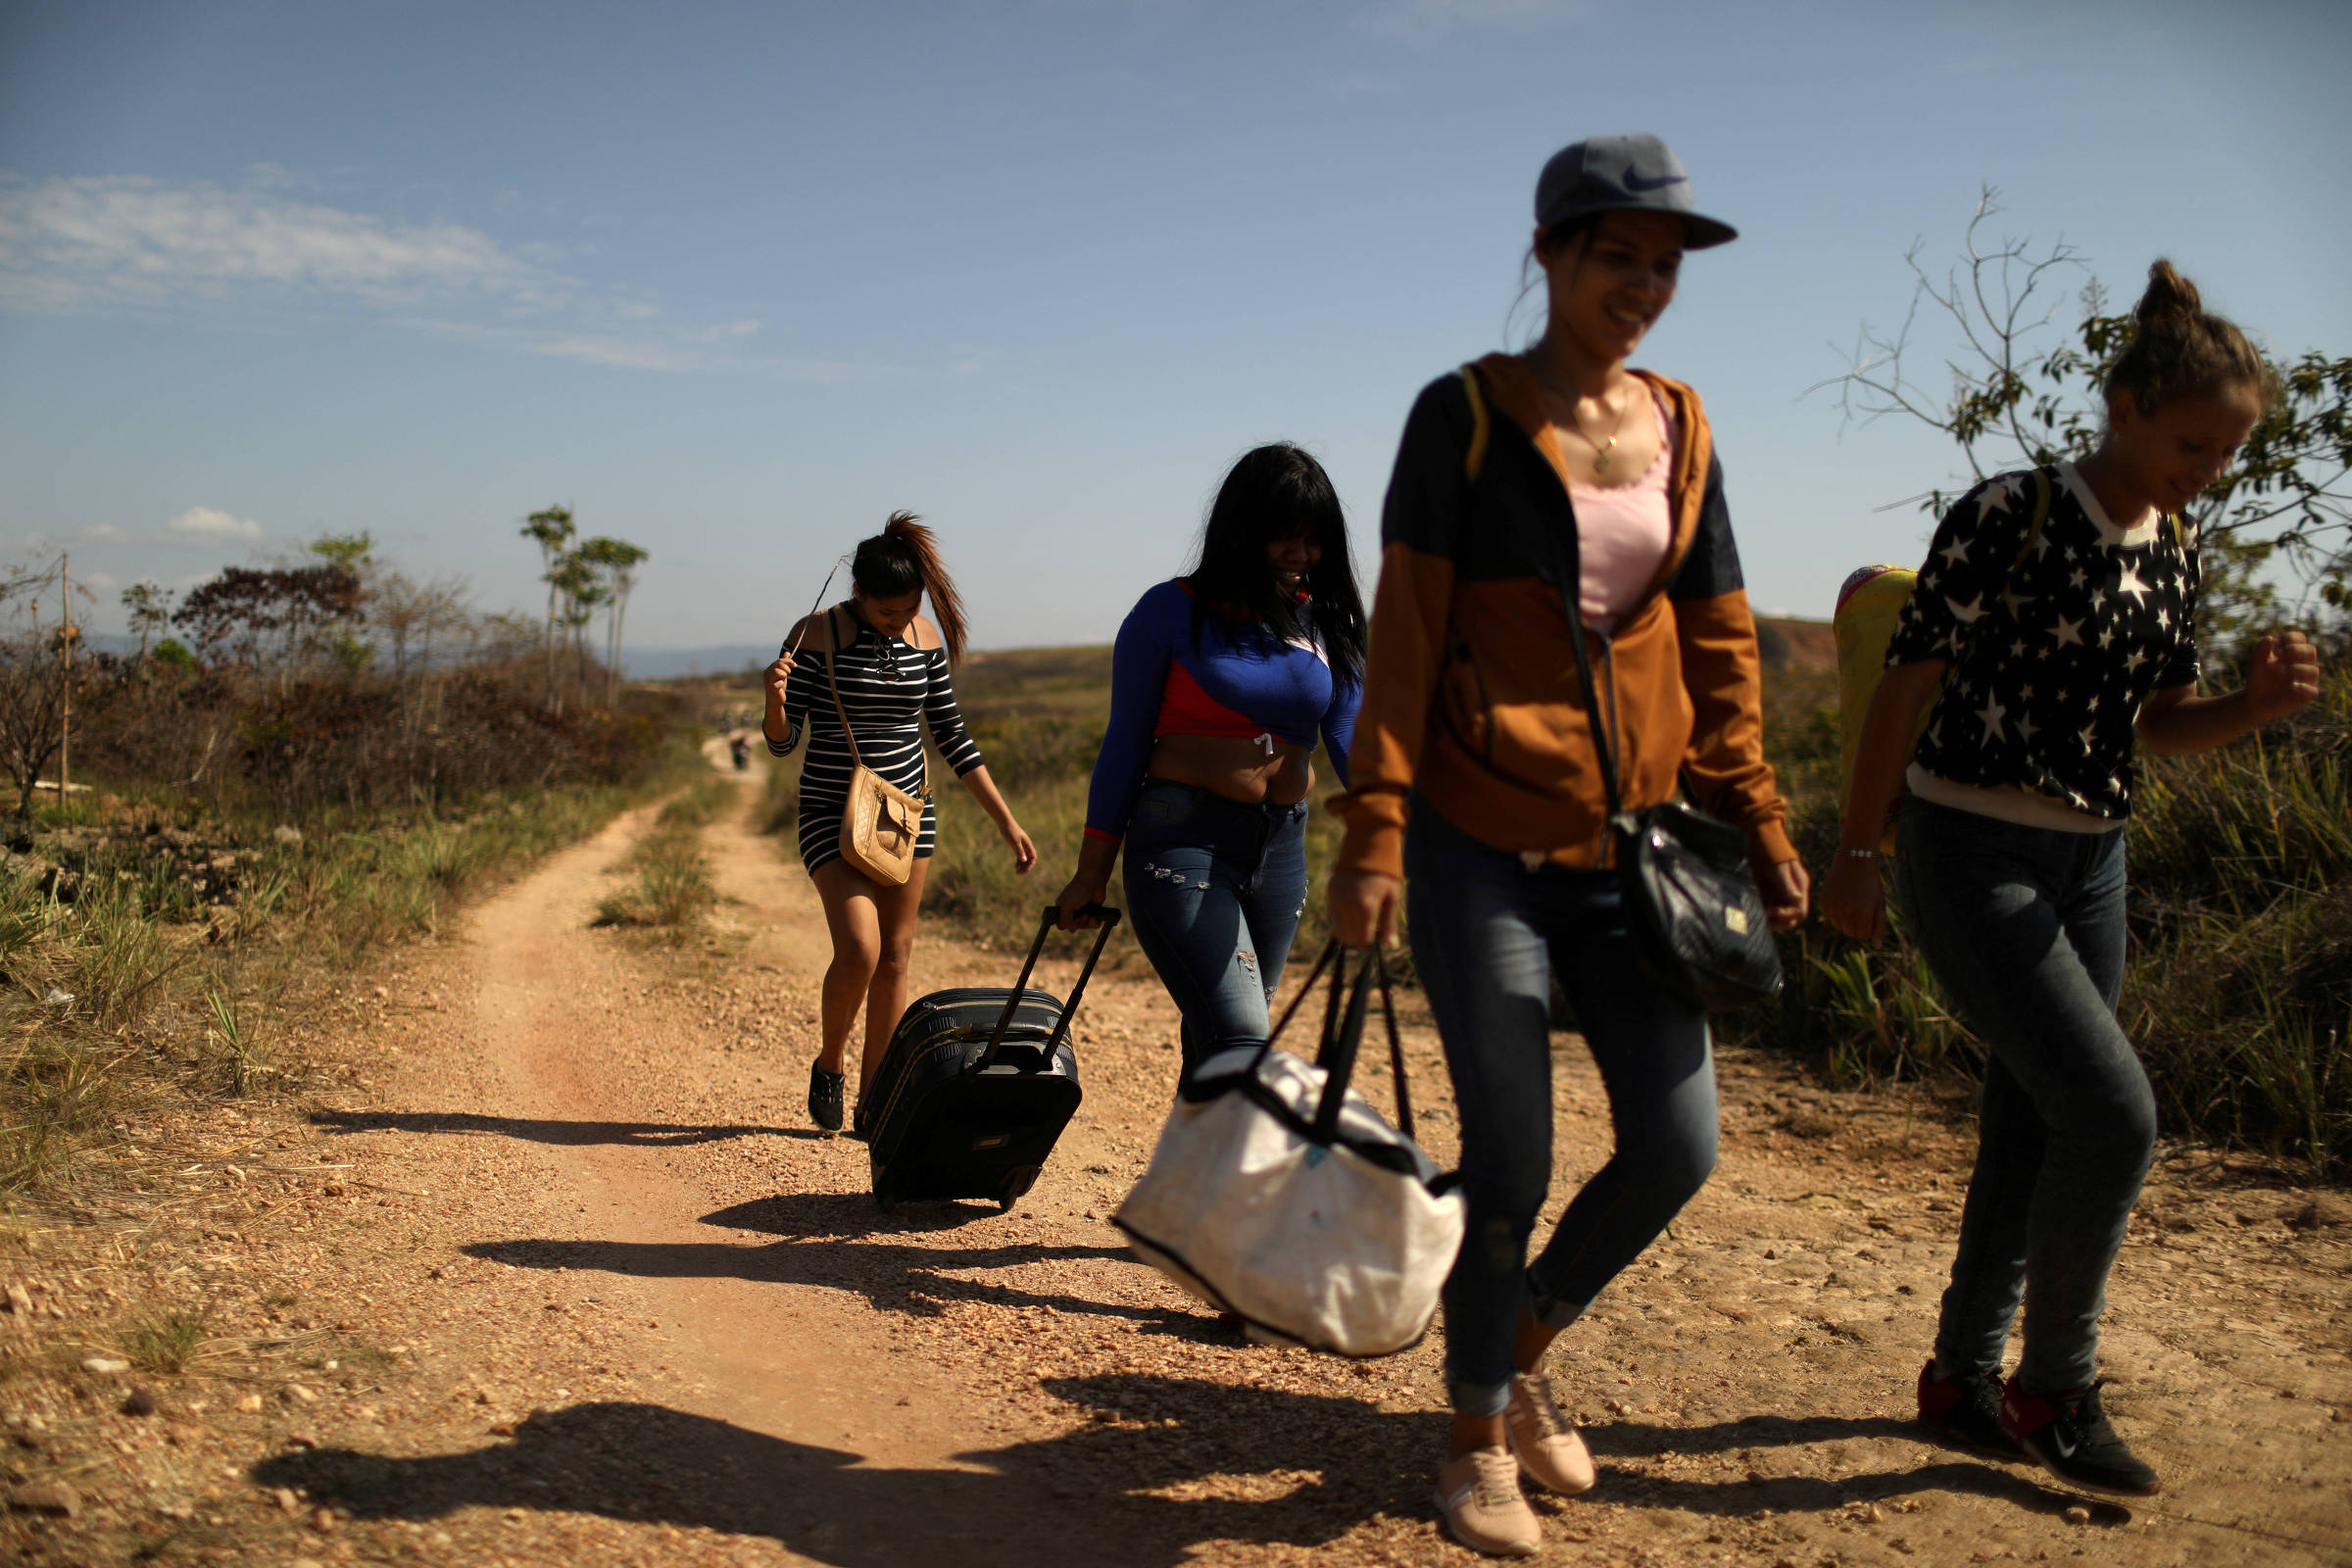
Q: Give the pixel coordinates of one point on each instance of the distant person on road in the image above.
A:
(1479, 796)
(892, 670)
(1221, 683)
(2057, 655)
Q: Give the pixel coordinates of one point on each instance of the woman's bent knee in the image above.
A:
(854, 963)
(1675, 1163)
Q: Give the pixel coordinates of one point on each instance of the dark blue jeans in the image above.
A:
(1214, 889)
(2024, 930)
(1488, 935)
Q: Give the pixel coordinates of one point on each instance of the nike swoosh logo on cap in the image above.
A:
(1634, 181)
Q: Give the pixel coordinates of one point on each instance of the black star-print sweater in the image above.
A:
(2054, 642)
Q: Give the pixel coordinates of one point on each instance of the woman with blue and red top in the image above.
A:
(1221, 682)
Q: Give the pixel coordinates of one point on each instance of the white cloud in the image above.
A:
(212, 523)
(93, 243)
(707, 349)
(86, 245)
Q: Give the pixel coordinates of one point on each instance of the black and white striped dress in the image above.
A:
(889, 688)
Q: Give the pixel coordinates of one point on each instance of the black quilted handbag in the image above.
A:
(1690, 902)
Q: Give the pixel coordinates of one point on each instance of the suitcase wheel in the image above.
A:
(1017, 1181)
(883, 1199)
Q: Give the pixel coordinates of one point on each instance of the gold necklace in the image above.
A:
(1600, 449)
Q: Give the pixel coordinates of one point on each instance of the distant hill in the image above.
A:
(1788, 643)
(723, 659)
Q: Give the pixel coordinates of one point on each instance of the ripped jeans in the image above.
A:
(1214, 888)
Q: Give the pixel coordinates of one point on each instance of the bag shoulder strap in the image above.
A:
(1482, 425)
(833, 685)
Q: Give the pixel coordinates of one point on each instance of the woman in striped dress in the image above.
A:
(892, 669)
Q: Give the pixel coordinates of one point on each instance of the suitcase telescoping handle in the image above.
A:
(1101, 911)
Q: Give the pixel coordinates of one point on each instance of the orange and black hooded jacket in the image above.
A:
(1471, 696)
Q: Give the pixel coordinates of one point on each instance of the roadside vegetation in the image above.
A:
(333, 761)
(2238, 989)
(669, 888)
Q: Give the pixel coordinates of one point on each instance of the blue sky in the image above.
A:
(736, 280)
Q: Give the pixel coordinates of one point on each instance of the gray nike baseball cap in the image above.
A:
(1622, 173)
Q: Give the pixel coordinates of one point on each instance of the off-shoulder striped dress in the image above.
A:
(889, 688)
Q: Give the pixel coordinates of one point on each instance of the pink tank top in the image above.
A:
(1621, 533)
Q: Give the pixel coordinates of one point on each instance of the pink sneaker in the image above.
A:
(1478, 1496)
(1546, 1442)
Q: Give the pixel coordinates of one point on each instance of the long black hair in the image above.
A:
(1274, 492)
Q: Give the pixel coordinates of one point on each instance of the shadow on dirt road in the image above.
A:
(1146, 1483)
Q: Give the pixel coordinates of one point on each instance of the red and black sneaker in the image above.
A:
(2071, 1437)
(1967, 1407)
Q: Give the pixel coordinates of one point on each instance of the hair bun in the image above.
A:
(2170, 296)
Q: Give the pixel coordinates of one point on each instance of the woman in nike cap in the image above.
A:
(1477, 790)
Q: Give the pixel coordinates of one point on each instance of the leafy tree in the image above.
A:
(581, 589)
(269, 618)
(618, 561)
(2025, 389)
(355, 551)
(552, 530)
(149, 609)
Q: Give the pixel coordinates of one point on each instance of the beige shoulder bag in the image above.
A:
(882, 824)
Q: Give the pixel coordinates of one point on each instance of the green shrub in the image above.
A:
(2238, 986)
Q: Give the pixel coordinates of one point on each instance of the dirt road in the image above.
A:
(564, 1277)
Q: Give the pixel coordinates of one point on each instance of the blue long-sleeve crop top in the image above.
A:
(1163, 683)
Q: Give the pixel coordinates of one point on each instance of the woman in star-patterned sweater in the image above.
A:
(2052, 630)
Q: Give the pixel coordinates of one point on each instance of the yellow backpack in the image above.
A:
(1868, 605)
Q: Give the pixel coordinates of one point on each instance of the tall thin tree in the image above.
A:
(551, 528)
(618, 561)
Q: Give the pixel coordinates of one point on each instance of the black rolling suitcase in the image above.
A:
(976, 1086)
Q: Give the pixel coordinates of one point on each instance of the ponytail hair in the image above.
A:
(2181, 350)
(903, 559)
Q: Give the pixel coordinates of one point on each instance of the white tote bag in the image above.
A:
(1279, 1194)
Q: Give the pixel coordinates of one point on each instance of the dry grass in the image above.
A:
(2238, 989)
(168, 1343)
(126, 982)
(671, 890)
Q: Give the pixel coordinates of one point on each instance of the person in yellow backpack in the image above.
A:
(2057, 651)
(1475, 788)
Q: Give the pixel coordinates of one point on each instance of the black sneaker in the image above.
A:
(824, 1098)
(2071, 1437)
(1965, 1408)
